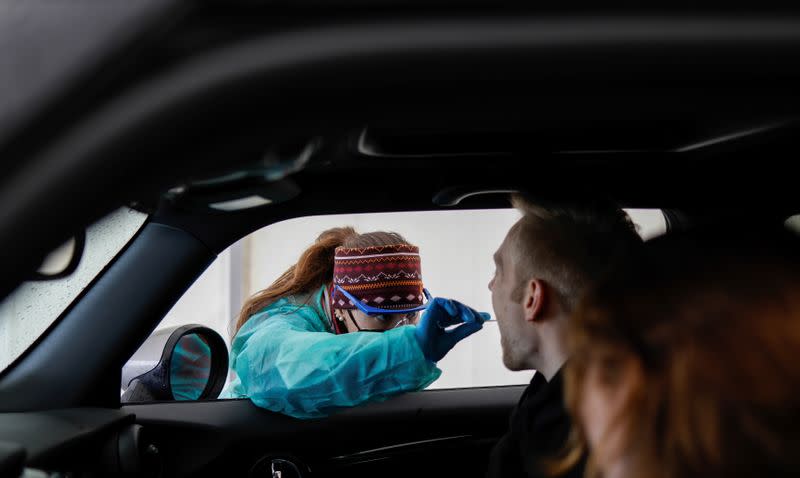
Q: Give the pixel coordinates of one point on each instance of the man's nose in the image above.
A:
(491, 283)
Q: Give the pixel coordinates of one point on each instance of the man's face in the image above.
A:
(514, 336)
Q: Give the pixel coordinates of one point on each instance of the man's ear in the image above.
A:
(534, 299)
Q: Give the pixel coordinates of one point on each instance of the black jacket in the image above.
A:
(538, 429)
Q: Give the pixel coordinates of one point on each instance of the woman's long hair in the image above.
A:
(711, 324)
(314, 268)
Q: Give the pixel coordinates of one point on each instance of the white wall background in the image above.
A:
(456, 249)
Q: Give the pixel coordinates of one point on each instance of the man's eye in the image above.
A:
(380, 316)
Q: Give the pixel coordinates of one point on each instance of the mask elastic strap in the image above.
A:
(336, 322)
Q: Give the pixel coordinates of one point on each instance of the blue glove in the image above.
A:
(431, 335)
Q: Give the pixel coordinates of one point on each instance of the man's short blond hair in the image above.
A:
(568, 246)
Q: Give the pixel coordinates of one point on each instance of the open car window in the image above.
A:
(35, 305)
(456, 250)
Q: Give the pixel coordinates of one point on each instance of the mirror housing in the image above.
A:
(188, 362)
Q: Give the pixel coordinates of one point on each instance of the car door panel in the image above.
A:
(424, 434)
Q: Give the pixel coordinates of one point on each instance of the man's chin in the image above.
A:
(511, 364)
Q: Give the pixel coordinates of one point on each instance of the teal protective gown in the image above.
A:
(288, 360)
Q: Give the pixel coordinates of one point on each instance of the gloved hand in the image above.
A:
(433, 339)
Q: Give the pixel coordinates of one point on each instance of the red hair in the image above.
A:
(712, 323)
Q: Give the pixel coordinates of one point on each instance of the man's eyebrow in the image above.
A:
(496, 257)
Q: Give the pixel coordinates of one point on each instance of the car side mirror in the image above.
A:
(63, 261)
(189, 362)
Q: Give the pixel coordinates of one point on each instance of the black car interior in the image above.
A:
(321, 110)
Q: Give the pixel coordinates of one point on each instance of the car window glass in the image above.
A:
(456, 248)
(27, 312)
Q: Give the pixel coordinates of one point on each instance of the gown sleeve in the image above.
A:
(292, 365)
